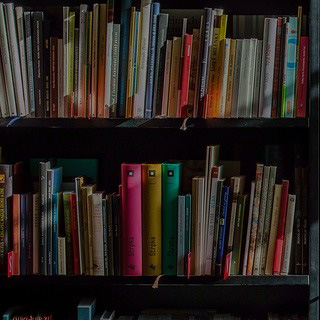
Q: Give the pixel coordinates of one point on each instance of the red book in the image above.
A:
(302, 78)
(185, 75)
(16, 235)
(131, 219)
(75, 239)
(54, 77)
(278, 251)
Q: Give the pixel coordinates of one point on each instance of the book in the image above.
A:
(110, 234)
(74, 231)
(166, 81)
(57, 215)
(131, 219)
(70, 84)
(62, 266)
(188, 231)
(35, 233)
(68, 232)
(236, 79)
(105, 236)
(95, 60)
(90, 189)
(181, 236)
(46, 66)
(171, 176)
(257, 79)
(4, 109)
(116, 223)
(23, 225)
(152, 209)
(87, 308)
(16, 234)
(54, 77)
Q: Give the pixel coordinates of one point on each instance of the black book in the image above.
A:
(105, 236)
(46, 67)
(29, 233)
(23, 247)
(116, 234)
(37, 24)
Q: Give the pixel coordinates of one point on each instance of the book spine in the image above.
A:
(131, 220)
(170, 192)
(124, 20)
(305, 221)
(49, 220)
(15, 59)
(90, 231)
(188, 233)
(166, 81)
(284, 69)
(102, 59)
(22, 51)
(4, 108)
(139, 99)
(46, 67)
(267, 221)
(23, 247)
(291, 69)
(278, 251)
(71, 38)
(152, 240)
(80, 214)
(35, 233)
(85, 229)
(54, 77)
(262, 214)
(116, 234)
(237, 68)
(255, 218)
(186, 75)
(174, 77)
(160, 63)
(60, 79)
(29, 235)
(43, 219)
(181, 236)
(55, 221)
(2, 224)
(256, 87)
(246, 249)
(6, 63)
(222, 229)
(152, 60)
(302, 78)
(252, 62)
(95, 61)
(110, 235)
(267, 70)
(38, 46)
(65, 59)
(62, 267)
(288, 235)
(16, 234)
(68, 230)
(105, 236)
(75, 239)
(115, 70)
(76, 71)
(88, 66)
(298, 221)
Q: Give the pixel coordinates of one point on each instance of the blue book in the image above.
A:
(57, 213)
(135, 54)
(222, 228)
(155, 11)
(54, 180)
(188, 226)
(86, 309)
(23, 247)
(125, 26)
(291, 68)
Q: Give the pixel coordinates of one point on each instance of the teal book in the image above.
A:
(87, 309)
(291, 68)
(188, 226)
(57, 217)
(171, 181)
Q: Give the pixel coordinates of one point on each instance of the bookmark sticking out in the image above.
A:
(227, 266)
(10, 264)
(184, 126)
(189, 264)
(156, 282)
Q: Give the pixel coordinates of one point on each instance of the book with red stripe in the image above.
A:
(302, 78)
(75, 239)
(131, 219)
(278, 251)
(186, 75)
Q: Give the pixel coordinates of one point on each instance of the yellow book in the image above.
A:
(151, 187)
(273, 228)
(72, 17)
(130, 64)
(90, 190)
(230, 79)
(174, 77)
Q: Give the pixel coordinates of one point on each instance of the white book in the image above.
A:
(95, 57)
(166, 81)
(97, 234)
(60, 79)
(15, 58)
(212, 206)
(108, 72)
(288, 235)
(267, 69)
(62, 266)
(262, 214)
(257, 78)
(236, 79)
(23, 60)
(224, 80)
(139, 99)
(82, 59)
(246, 248)
(65, 53)
(6, 63)
(252, 64)
(267, 220)
(4, 110)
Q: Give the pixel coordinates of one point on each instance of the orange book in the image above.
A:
(16, 234)
(102, 58)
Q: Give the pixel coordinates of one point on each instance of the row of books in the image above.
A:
(151, 228)
(149, 65)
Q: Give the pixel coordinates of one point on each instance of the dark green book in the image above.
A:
(171, 176)
(68, 230)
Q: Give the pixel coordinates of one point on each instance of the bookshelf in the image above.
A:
(113, 141)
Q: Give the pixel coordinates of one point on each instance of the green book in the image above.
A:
(68, 231)
(171, 176)
(237, 239)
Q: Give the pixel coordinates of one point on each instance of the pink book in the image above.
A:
(302, 78)
(131, 200)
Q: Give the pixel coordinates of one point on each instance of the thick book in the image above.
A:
(171, 176)
(131, 199)
(151, 199)
(68, 231)
(279, 245)
(181, 236)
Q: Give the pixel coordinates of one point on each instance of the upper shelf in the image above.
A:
(155, 123)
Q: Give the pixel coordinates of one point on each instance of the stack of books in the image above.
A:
(166, 218)
(154, 63)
